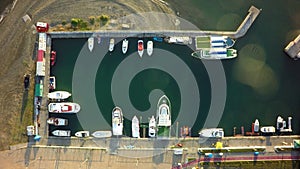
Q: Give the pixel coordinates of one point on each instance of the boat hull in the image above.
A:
(124, 46)
(212, 132)
(57, 121)
(91, 43)
(64, 107)
(61, 133)
(117, 121)
(102, 134)
(135, 127)
(149, 48)
(59, 95)
(111, 45)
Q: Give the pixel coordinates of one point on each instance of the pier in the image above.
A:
(253, 13)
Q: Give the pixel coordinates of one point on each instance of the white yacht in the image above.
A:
(62, 133)
(117, 121)
(149, 48)
(164, 113)
(124, 46)
(140, 48)
(152, 127)
(135, 127)
(102, 134)
(212, 132)
(91, 43)
(59, 95)
(111, 44)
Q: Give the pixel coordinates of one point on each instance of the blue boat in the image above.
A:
(158, 39)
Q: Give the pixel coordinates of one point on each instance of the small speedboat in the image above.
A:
(149, 48)
(64, 107)
(212, 132)
(124, 46)
(152, 127)
(135, 127)
(117, 121)
(59, 95)
(102, 134)
(256, 126)
(268, 130)
(111, 44)
(62, 133)
(140, 47)
(91, 43)
(82, 134)
(53, 58)
(57, 121)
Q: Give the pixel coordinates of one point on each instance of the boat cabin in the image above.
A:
(42, 27)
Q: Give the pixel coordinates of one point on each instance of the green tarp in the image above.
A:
(38, 90)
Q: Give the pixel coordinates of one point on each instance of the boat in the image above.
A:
(256, 126)
(164, 113)
(185, 131)
(179, 40)
(268, 130)
(152, 127)
(215, 53)
(62, 133)
(117, 121)
(64, 107)
(135, 127)
(57, 121)
(281, 124)
(52, 83)
(149, 48)
(53, 58)
(102, 134)
(98, 39)
(91, 43)
(111, 44)
(59, 95)
(82, 134)
(158, 39)
(212, 132)
(124, 46)
(213, 41)
(141, 47)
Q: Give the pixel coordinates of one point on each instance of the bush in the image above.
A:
(92, 20)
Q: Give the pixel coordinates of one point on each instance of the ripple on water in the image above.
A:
(229, 22)
(251, 69)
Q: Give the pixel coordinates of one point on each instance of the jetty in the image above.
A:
(253, 13)
(293, 48)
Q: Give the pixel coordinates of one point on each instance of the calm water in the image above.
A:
(261, 83)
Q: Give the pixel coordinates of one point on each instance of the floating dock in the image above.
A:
(293, 48)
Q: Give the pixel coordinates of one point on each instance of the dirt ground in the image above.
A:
(17, 54)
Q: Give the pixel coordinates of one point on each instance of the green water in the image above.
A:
(261, 83)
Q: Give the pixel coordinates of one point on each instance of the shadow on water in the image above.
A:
(24, 103)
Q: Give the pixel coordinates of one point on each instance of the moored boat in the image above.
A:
(52, 83)
(268, 130)
(179, 40)
(57, 121)
(62, 133)
(117, 121)
(124, 46)
(53, 58)
(149, 48)
(213, 41)
(135, 126)
(59, 95)
(91, 43)
(152, 127)
(64, 107)
(163, 112)
(111, 44)
(212, 132)
(215, 53)
(140, 47)
(256, 126)
(102, 134)
(82, 134)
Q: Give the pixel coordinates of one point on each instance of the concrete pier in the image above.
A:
(253, 12)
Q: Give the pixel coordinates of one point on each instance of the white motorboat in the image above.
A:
(117, 121)
(164, 113)
(102, 134)
(111, 44)
(215, 54)
(140, 47)
(256, 126)
(91, 43)
(82, 134)
(212, 132)
(268, 130)
(135, 127)
(64, 107)
(152, 127)
(57, 121)
(149, 48)
(124, 46)
(62, 133)
(281, 124)
(59, 95)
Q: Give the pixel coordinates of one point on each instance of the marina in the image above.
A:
(163, 118)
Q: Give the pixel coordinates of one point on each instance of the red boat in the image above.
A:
(53, 58)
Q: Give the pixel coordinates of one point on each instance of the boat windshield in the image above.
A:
(164, 111)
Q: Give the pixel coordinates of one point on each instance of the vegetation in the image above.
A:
(91, 23)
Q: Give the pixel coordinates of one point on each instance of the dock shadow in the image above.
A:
(160, 145)
(29, 150)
